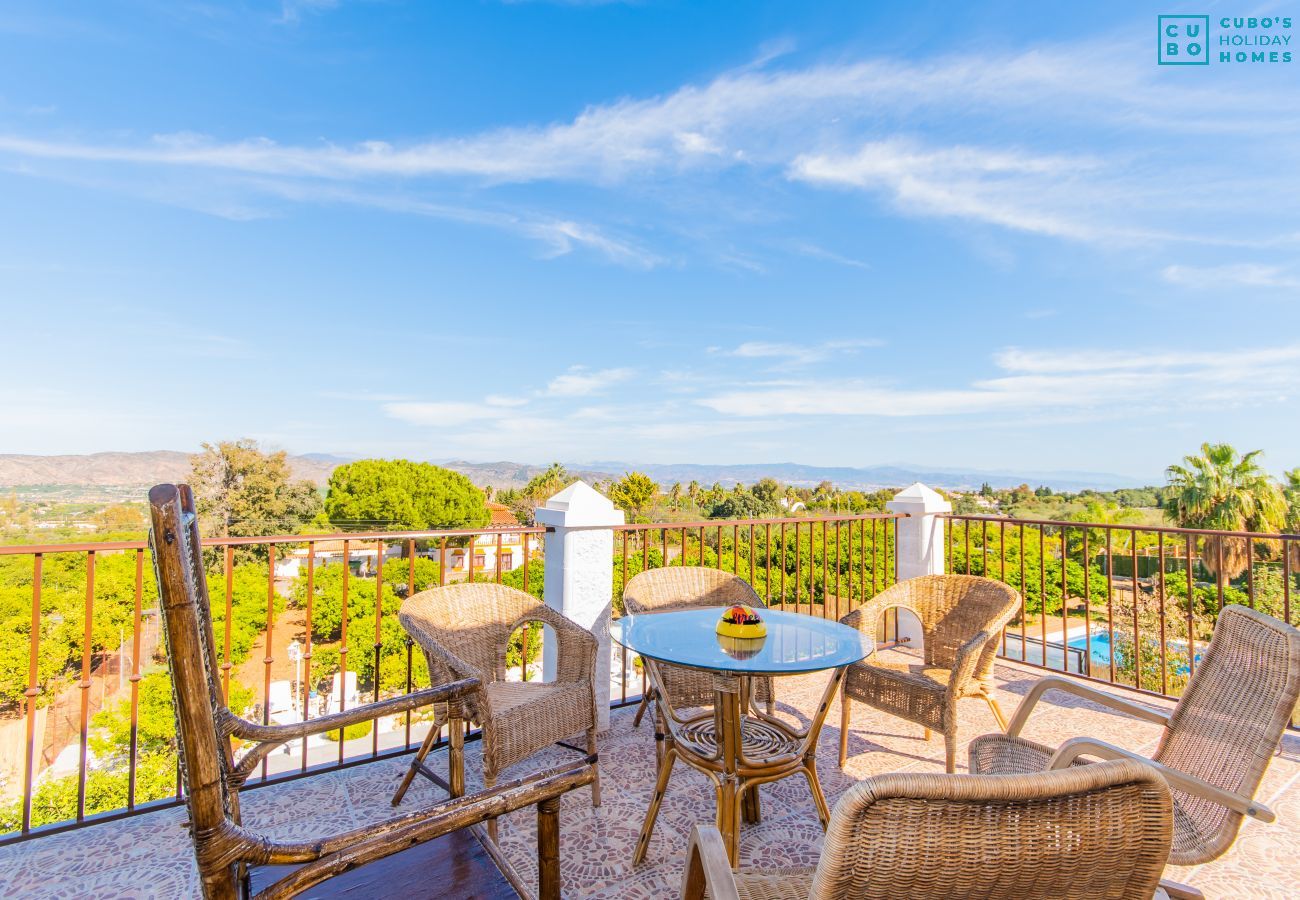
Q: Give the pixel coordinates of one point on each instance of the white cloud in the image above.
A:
(1238, 275)
(801, 354)
(1015, 190)
(837, 124)
(580, 381)
(1043, 380)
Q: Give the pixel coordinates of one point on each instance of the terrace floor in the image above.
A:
(150, 855)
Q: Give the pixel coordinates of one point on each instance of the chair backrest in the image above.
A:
(689, 587)
(473, 621)
(206, 755)
(953, 609)
(685, 587)
(1101, 830)
(1229, 721)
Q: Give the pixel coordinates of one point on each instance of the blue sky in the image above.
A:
(979, 235)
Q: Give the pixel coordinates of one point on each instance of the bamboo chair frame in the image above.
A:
(961, 618)
(224, 849)
(464, 631)
(1215, 746)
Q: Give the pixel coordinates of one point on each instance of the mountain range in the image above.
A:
(146, 468)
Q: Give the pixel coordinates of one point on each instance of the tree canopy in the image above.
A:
(241, 491)
(634, 492)
(400, 495)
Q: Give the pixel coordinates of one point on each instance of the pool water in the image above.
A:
(1099, 650)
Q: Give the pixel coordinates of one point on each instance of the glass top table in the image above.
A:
(736, 744)
(795, 644)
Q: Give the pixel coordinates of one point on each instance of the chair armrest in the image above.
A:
(1072, 749)
(576, 645)
(967, 659)
(1173, 890)
(1054, 683)
(457, 690)
(707, 867)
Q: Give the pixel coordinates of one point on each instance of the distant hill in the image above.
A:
(143, 469)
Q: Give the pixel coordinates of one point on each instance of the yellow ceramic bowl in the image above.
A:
(750, 630)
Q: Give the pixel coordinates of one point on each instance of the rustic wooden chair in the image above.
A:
(688, 587)
(224, 849)
(1216, 743)
(961, 618)
(1084, 833)
(464, 630)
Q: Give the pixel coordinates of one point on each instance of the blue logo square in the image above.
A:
(1183, 40)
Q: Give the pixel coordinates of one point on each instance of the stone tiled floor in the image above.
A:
(149, 856)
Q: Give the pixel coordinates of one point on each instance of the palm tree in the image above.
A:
(1224, 491)
(1291, 495)
(675, 495)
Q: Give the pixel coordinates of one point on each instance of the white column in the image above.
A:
(580, 574)
(920, 542)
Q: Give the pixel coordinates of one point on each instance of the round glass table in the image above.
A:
(736, 744)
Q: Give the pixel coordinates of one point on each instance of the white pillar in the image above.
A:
(580, 574)
(920, 540)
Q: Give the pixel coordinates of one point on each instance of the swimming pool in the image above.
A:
(1099, 650)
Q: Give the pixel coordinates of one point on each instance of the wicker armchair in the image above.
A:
(689, 587)
(961, 618)
(224, 849)
(1090, 832)
(1216, 744)
(464, 630)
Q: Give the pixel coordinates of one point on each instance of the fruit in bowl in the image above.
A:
(741, 621)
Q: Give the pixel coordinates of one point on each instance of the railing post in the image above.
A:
(920, 541)
(580, 575)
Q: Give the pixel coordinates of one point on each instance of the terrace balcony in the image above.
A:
(1125, 601)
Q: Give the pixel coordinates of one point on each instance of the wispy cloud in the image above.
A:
(817, 252)
(580, 381)
(292, 11)
(831, 125)
(1238, 275)
(1042, 380)
(800, 354)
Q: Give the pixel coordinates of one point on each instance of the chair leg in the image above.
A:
(595, 783)
(414, 767)
(640, 710)
(928, 734)
(997, 711)
(950, 752)
(845, 712)
(648, 826)
(489, 782)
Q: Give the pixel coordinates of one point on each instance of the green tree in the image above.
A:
(241, 491)
(400, 495)
(1222, 490)
(634, 492)
(1291, 496)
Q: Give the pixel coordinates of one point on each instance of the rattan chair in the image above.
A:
(1092, 832)
(464, 630)
(689, 587)
(961, 617)
(224, 849)
(1216, 743)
